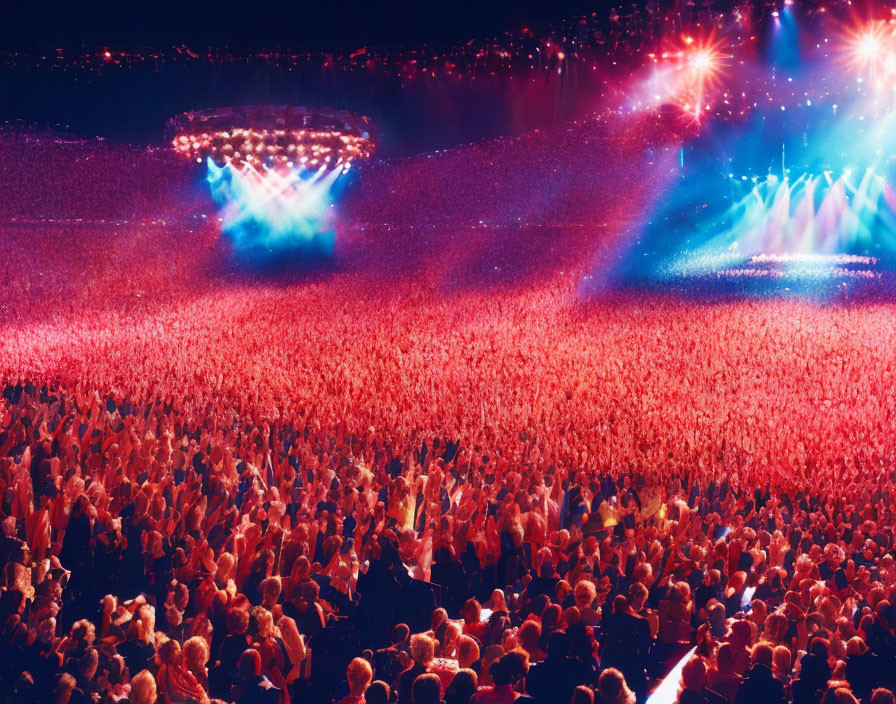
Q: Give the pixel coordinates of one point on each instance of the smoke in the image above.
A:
(270, 215)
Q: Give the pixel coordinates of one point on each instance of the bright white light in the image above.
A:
(869, 47)
(702, 60)
(871, 51)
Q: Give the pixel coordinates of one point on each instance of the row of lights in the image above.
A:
(281, 146)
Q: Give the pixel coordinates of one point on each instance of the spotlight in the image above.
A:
(871, 50)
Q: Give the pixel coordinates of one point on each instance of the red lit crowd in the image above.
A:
(375, 488)
(151, 554)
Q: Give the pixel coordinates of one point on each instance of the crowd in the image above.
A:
(47, 174)
(153, 555)
(378, 486)
(571, 173)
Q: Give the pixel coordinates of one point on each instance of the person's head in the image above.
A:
(471, 611)
(173, 615)
(819, 647)
(570, 616)
(400, 633)
(512, 667)
(840, 693)
(439, 616)
(377, 693)
(63, 691)
(169, 653)
(462, 687)
(761, 654)
(46, 630)
(270, 591)
(499, 603)
(584, 593)
(725, 658)
(449, 632)
(82, 634)
(423, 649)
(758, 612)
(195, 652)
(882, 696)
(782, 659)
(426, 689)
(637, 596)
(263, 621)
(249, 664)
(582, 695)
(561, 591)
(741, 634)
(551, 617)
(309, 591)
(237, 622)
(467, 651)
(613, 688)
(775, 627)
(681, 592)
(116, 670)
(527, 636)
(359, 675)
(143, 688)
(856, 646)
(693, 674)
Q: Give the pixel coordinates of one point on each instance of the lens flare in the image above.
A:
(871, 52)
(703, 67)
(685, 75)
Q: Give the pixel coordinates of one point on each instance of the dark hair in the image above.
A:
(377, 693)
(426, 689)
(582, 695)
(819, 647)
(462, 688)
(400, 633)
(510, 668)
(558, 645)
(250, 664)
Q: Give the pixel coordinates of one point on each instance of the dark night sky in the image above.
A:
(342, 24)
(132, 104)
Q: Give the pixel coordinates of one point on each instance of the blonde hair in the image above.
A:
(264, 622)
(292, 639)
(423, 648)
(226, 564)
(467, 650)
(449, 638)
(143, 688)
(145, 623)
(782, 659)
(195, 652)
(584, 593)
(359, 675)
(613, 687)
